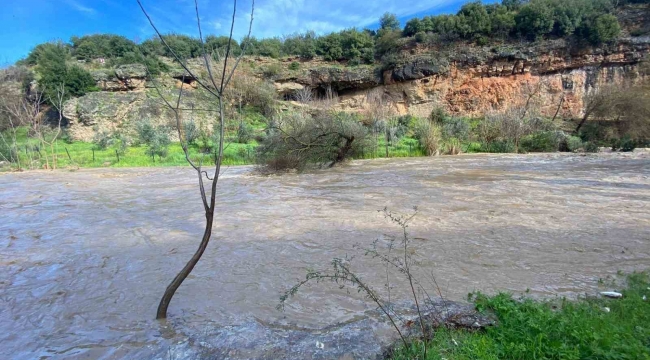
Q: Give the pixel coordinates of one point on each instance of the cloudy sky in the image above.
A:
(26, 23)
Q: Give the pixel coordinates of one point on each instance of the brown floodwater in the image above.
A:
(86, 255)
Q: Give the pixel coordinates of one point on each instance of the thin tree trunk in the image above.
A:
(343, 152)
(584, 120)
(178, 280)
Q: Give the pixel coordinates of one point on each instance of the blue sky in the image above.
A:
(26, 23)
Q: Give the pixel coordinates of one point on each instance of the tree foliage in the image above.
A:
(296, 140)
(54, 71)
(588, 20)
(101, 46)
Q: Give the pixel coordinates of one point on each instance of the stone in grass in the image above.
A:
(612, 294)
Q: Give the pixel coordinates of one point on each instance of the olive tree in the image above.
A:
(214, 82)
(298, 139)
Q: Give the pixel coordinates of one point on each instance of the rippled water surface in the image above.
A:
(86, 255)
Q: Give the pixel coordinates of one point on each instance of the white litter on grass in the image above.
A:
(612, 294)
(606, 309)
(320, 345)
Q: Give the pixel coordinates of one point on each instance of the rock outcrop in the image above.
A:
(367, 338)
(121, 111)
(472, 80)
(123, 78)
(465, 80)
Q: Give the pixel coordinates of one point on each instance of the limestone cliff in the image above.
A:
(473, 80)
(464, 79)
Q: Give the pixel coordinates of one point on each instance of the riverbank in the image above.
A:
(82, 155)
(595, 327)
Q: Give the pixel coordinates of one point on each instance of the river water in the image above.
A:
(86, 255)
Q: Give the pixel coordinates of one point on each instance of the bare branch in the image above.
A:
(176, 57)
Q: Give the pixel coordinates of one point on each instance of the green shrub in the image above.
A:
(389, 21)
(354, 62)
(102, 140)
(498, 146)
(294, 65)
(390, 61)
(244, 133)
(625, 144)
(271, 70)
(455, 127)
(591, 147)
(544, 141)
(118, 141)
(405, 123)
(429, 135)
(421, 37)
(438, 116)
(592, 132)
(574, 144)
(156, 138)
(481, 40)
(192, 132)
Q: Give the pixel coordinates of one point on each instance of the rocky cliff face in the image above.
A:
(475, 80)
(467, 80)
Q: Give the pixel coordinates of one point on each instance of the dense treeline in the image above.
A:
(589, 21)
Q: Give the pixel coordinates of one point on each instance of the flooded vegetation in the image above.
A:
(86, 254)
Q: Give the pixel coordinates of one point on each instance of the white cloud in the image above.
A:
(80, 7)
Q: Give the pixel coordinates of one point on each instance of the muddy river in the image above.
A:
(86, 255)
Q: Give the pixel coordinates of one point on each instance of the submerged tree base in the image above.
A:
(592, 328)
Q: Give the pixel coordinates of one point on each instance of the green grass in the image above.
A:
(86, 155)
(562, 329)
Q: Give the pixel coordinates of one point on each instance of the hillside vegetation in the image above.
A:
(58, 83)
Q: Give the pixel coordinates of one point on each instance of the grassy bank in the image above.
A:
(591, 328)
(87, 155)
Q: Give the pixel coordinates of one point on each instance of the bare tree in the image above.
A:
(304, 95)
(16, 112)
(45, 133)
(518, 121)
(378, 115)
(599, 101)
(215, 86)
(626, 103)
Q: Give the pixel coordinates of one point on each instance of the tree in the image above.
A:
(604, 28)
(502, 20)
(513, 5)
(215, 87)
(297, 139)
(329, 47)
(474, 20)
(55, 73)
(388, 21)
(387, 42)
(270, 47)
(303, 45)
(535, 19)
(353, 43)
(218, 45)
